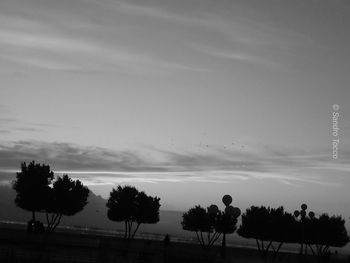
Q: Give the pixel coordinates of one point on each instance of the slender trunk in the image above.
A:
(48, 222)
(265, 249)
(301, 248)
(257, 243)
(305, 249)
(52, 222)
(312, 250)
(126, 229)
(278, 248)
(47, 218)
(325, 249)
(33, 216)
(199, 240)
(268, 246)
(214, 238)
(137, 227)
(128, 233)
(263, 254)
(318, 249)
(223, 246)
(262, 249)
(57, 222)
(203, 242)
(208, 237)
(266, 253)
(129, 229)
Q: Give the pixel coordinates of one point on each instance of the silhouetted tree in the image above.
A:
(283, 229)
(208, 224)
(268, 225)
(66, 197)
(324, 232)
(199, 220)
(32, 186)
(226, 223)
(133, 207)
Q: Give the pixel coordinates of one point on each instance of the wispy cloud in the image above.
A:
(158, 13)
(95, 164)
(239, 55)
(46, 64)
(247, 38)
(7, 120)
(44, 42)
(112, 37)
(46, 47)
(10, 125)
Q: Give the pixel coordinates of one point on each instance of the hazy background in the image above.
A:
(188, 100)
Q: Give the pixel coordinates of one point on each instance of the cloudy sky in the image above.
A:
(187, 99)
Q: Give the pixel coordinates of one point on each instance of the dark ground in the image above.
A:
(16, 245)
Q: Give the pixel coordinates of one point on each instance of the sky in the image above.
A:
(187, 100)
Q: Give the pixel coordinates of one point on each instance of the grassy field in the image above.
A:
(16, 245)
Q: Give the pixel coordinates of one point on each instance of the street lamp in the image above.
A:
(302, 214)
(230, 211)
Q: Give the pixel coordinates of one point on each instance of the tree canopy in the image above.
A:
(37, 191)
(66, 197)
(275, 225)
(197, 219)
(226, 223)
(208, 224)
(32, 186)
(323, 232)
(268, 225)
(131, 206)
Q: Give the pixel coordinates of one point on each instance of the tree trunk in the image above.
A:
(130, 227)
(33, 216)
(223, 246)
(312, 250)
(275, 252)
(258, 244)
(137, 227)
(53, 222)
(126, 229)
(214, 238)
(57, 222)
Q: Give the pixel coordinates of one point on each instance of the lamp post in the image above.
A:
(230, 211)
(302, 214)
